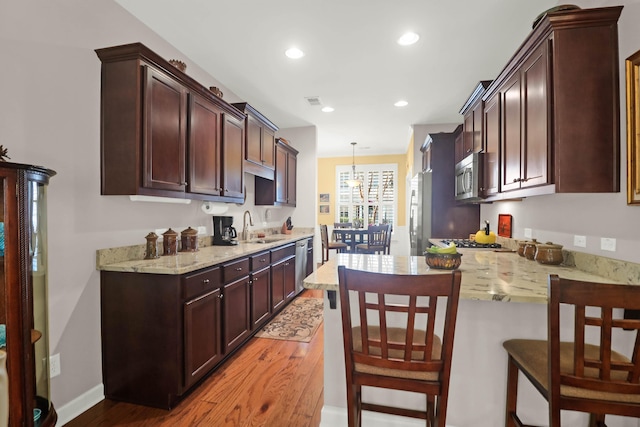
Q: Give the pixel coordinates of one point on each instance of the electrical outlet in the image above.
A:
(202, 229)
(528, 233)
(580, 241)
(54, 365)
(608, 244)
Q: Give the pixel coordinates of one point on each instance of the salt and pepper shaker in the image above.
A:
(170, 242)
(189, 239)
(152, 246)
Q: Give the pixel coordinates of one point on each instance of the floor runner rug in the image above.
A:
(298, 321)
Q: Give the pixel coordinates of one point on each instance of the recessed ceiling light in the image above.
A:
(327, 109)
(294, 53)
(401, 104)
(408, 39)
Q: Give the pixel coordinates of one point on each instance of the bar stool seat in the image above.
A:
(578, 375)
(395, 342)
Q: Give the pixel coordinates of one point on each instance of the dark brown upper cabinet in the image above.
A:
(163, 133)
(553, 112)
(472, 135)
(260, 142)
(280, 191)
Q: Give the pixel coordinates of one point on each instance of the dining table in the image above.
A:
(351, 236)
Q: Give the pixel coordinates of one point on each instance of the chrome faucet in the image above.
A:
(245, 228)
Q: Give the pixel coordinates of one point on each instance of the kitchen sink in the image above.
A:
(271, 240)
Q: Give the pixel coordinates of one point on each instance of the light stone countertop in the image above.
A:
(186, 262)
(486, 275)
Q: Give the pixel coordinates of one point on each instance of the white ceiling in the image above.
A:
(352, 61)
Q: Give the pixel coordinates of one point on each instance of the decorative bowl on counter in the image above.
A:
(443, 261)
(549, 253)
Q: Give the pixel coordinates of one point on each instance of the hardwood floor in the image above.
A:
(266, 383)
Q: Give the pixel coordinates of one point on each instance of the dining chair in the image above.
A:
(342, 237)
(376, 239)
(395, 342)
(578, 375)
(327, 245)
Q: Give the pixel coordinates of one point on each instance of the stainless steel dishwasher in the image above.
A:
(301, 263)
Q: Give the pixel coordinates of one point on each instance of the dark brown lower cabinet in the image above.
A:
(163, 333)
(236, 297)
(202, 335)
(260, 297)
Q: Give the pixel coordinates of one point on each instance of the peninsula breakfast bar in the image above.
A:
(502, 296)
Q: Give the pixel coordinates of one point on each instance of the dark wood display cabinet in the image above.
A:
(23, 294)
(260, 142)
(552, 114)
(163, 133)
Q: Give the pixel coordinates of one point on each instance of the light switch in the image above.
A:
(580, 241)
(528, 233)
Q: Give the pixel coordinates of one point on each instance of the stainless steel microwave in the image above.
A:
(469, 178)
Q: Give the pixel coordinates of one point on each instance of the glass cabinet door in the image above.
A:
(24, 376)
(36, 228)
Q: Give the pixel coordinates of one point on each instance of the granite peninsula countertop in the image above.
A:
(486, 275)
(131, 258)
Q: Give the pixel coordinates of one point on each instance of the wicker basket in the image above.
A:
(443, 261)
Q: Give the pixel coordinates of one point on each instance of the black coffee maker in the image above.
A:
(223, 232)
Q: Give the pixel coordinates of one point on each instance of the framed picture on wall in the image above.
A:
(324, 198)
(324, 209)
(632, 65)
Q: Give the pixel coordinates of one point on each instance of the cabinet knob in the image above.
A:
(221, 296)
(184, 183)
(239, 269)
(205, 281)
(263, 260)
(469, 150)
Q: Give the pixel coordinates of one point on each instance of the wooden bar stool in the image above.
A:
(577, 375)
(401, 349)
(327, 245)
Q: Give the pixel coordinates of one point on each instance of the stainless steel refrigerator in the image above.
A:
(420, 213)
(433, 210)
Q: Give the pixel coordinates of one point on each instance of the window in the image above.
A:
(374, 201)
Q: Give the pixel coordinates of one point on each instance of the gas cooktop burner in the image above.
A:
(468, 243)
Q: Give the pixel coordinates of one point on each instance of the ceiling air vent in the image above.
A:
(314, 101)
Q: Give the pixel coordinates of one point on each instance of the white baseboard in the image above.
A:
(333, 416)
(80, 404)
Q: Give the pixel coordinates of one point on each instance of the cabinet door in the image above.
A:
(236, 313)
(535, 105)
(511, 137)
(277, 286)
(204, 147)
(281, 175)
(310, 261)
(254, 141)
(202, 338)
(292, 163)
(260, 297)
(233, 157)
(477, 142)
(268, 148)
(467, 135)
(164, 139)
(491, 177)
(290, 278)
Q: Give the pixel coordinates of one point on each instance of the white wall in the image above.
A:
(50, 115)
(559, 217)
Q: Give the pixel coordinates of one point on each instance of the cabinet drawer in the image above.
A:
(283, 252)
(260, 260)
(235, 269)
(200, 282)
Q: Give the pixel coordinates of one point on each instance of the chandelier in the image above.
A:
(354, 181)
